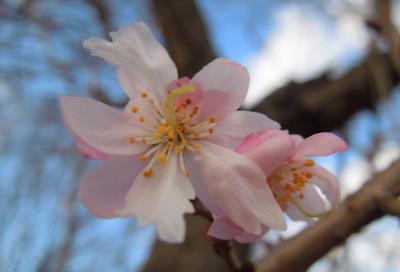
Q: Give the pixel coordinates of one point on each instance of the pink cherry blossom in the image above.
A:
(292, 177)
(173, 140)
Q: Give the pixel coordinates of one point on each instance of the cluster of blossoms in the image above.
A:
(181, 138)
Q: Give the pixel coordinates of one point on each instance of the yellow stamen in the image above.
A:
(210, 130)
(141, 118)
(184, 142)
(212, 119)
(170, 102)
(144, 141)
(132, 140)
(171, 133)
(162, 157)
(144, 94)
(179, 148)
(196, 147)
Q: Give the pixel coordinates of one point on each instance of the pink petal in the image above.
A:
(223, 228)
(100, 126)
(229, 184)
(328, 184)
(89, 152)
(312, 203)
(297, 138)
(142, 62)
(86, 150)
(231, 131)
(269, 149)
(103, 190)
(320, 144)
(162, 199)
(224, 84)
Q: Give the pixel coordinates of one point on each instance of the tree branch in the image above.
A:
(391, 206)
(324, 104)
(185, 34)
(376, 198)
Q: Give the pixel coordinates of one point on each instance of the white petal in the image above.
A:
(230, 184)
(145, 109)
(142, 62)
(161, 199)
(312, 203)
(327, 183)
(232, 130)
(101, 126)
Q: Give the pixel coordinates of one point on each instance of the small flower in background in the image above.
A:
(173, 141)
(304, 190)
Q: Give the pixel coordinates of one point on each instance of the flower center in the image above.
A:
(173, 133)
(289, 180)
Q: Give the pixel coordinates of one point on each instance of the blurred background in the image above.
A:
(328, 65)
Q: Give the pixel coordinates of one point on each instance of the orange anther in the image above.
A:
(134, 109)
(308, 163)
(196, 147)
(143, 157)
(148, 172)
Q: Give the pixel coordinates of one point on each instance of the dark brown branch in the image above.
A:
(227, 251)
(103, 14)
(324, 104)
(389, 31)
(391, 206)
(185, 34)
(357, 211)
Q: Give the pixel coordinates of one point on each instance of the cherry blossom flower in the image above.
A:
(174, 140)
(303, 189)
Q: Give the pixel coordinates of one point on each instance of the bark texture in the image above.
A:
(324, 104)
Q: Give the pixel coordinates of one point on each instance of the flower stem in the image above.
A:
(308, 214)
